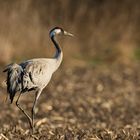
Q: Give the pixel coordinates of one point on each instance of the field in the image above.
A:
(95, 94)
(80, 104)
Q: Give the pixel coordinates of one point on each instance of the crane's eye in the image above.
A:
(62, 31)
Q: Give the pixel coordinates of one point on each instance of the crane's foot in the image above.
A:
(33, 130)
(31, 125)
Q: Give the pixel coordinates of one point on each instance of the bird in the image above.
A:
(34, 74)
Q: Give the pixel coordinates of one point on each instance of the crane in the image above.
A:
(33, 74)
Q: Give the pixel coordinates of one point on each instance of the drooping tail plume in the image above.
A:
(14, 73)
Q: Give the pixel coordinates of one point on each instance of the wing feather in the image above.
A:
(29, 75)
(35, 75)
(14, 72)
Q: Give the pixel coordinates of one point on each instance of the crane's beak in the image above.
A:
(69, 34)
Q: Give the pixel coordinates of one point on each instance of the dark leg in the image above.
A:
(37, 94)
(28, 117)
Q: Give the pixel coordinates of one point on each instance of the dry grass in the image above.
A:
(106, 31)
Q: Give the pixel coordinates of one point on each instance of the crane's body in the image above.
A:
(33, 74)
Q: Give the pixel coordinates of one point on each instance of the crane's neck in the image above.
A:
(58, 49)
(58, 54)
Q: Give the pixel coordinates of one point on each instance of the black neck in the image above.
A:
(58, 49)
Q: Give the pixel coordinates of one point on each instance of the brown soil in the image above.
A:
(100, 103)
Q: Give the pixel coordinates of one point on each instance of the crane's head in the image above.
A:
(59, 31)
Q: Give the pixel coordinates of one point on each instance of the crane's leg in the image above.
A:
(28, 117)
(37, 94)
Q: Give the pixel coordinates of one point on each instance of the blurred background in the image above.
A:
(96, 91)
(105, 31)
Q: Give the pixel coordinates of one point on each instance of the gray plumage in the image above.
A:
(30, 75)
(14, 73)
(33, 74)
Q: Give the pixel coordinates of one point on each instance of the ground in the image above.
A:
(97, 103)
